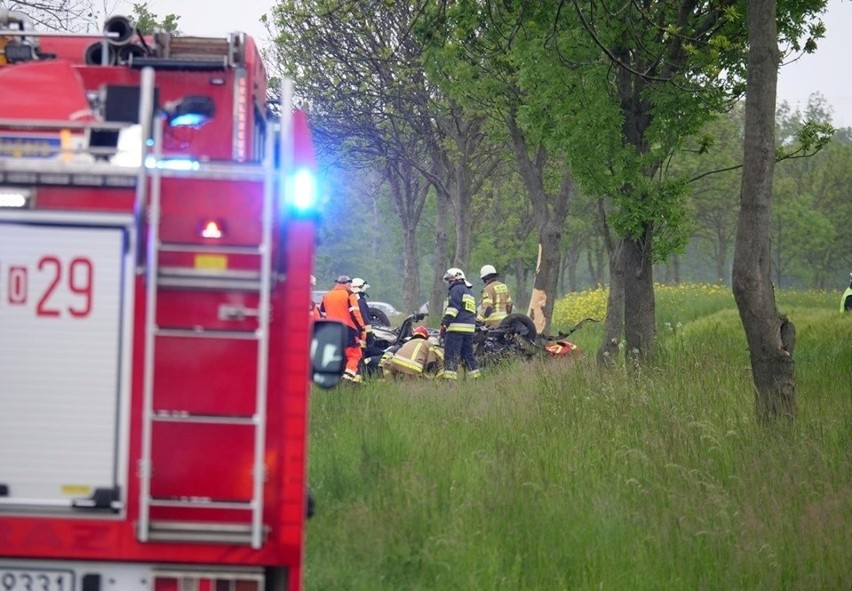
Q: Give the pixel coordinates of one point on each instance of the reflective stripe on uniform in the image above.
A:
(410, 363)
(462, 328)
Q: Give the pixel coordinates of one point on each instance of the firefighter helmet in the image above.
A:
(454, 274)
(487, 271)
(344, 279)
(359, 284)
(420, 331)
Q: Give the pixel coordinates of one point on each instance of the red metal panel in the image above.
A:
(202, 460)
(29, 92)
(187, 309)
(208, 376)
(199, 260)
(186, 204)
(88, 198)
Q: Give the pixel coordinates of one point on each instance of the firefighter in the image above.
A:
(418, 356)
(340, 304)
(496, 301)
(359, 288)
(458, 325)
(846, 299)
(315, 313)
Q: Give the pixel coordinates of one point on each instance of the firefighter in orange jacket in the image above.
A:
(415, 357)
(341, 304)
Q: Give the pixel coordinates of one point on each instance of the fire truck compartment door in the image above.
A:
(65, 312)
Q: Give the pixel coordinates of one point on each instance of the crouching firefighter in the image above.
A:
(418, 356)
(458, 325)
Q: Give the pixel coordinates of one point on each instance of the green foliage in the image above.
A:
(147, 21)
(554, 475)
(813, 195)
(539, 59)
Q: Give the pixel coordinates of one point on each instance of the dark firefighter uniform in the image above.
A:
(341, 304)
(367, 337)
(458, 326)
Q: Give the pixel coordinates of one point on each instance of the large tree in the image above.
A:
(771, 336)
(489, 56)
(675, 65)
(358, 66)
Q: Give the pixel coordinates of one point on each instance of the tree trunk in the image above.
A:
(591, 257)
(614, 327)
(550, 212)
(771, 337)
(675, 266)
(546, 277)
(411, 269)
(600, 278)
(521, 291)
(573, 262)
(409, 195)
(464, 218)
(438, 292)
(639, 303)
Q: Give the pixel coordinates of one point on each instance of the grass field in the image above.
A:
(556, 475)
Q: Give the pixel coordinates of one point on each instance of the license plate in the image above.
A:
(14, 579)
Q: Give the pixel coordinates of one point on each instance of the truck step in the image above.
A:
(198, 532)
(202, 333)
(185, 278)
(180, 416)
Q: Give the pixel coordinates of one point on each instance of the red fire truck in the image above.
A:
(156, 245)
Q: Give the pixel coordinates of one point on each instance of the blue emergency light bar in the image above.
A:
(304, 193)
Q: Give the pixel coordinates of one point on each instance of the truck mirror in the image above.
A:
(327, 345)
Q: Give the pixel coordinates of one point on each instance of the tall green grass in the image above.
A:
(555, 475)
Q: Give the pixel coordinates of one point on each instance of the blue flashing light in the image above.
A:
(304, 185)
(171, 163)
(189, 120)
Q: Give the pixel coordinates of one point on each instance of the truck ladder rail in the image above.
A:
(206, 527)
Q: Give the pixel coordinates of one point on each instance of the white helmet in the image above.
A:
(359, 285)
(487, 270)
(455, 274)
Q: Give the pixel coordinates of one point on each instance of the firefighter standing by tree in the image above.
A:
(341, 304)
(496, 301)
(415, 357)
(458, 325)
